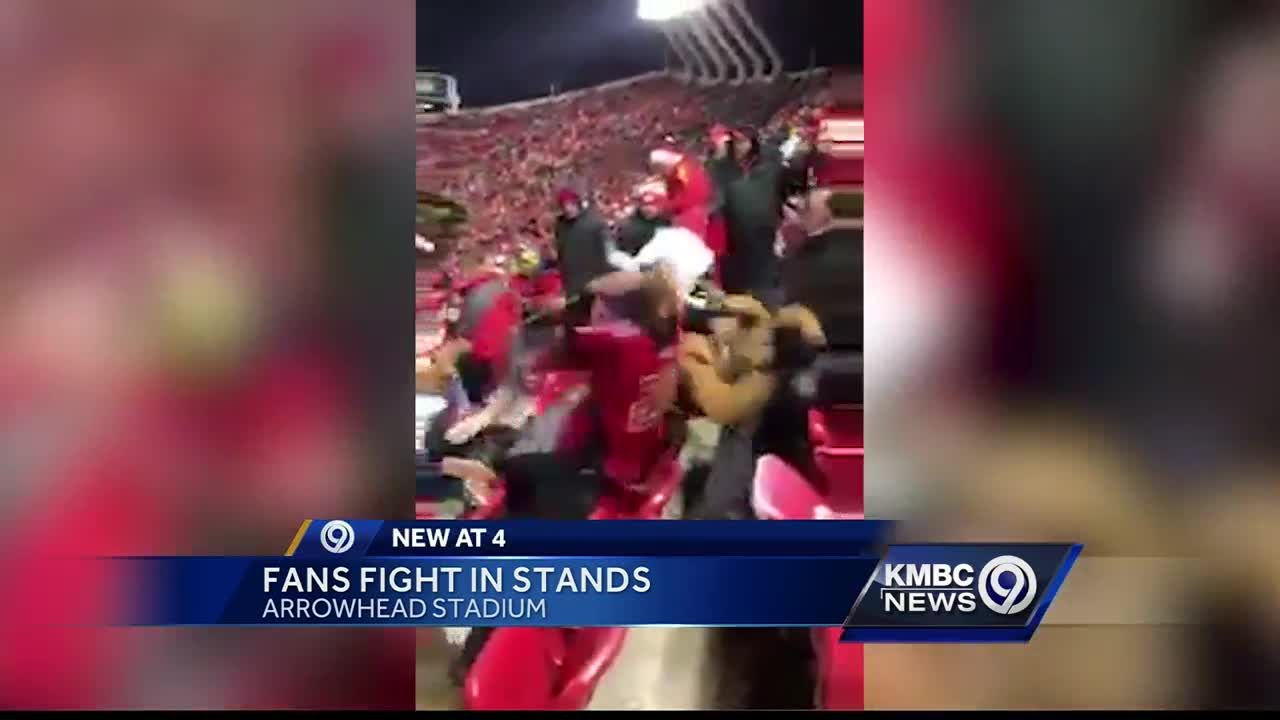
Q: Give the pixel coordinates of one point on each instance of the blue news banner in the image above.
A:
(617, 573)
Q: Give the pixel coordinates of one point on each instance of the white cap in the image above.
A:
(664, 156)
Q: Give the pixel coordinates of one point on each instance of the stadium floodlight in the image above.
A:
(663, 10)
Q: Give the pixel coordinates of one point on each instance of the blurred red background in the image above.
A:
(1071, 279)
(206, 333)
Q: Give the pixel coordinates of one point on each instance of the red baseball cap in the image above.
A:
(566, 196)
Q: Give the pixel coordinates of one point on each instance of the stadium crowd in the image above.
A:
(506, 166)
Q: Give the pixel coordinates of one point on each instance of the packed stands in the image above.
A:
(504, 164)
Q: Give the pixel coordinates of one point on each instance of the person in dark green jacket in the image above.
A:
(722, 166)
(582, 242)
(753, 211)
(723, 169)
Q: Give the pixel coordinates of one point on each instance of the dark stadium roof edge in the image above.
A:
(624, 82)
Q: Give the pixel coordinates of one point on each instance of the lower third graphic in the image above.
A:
(959, 593)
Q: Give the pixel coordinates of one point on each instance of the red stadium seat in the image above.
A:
(491, 507)
(541, 668)
(841, 470)
(840, 671)
(780, 492)
(838, 453)
(517, 670)
(648, 502)
(839, 426)
(591, 651)
(662, 485)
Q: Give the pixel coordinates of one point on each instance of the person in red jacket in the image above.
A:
(490, 320)
(630, 350)
(539, 286)
(689, 188)
(611, 442)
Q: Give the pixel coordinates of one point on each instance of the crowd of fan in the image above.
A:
(505, 166)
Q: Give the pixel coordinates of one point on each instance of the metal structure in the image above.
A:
(436, 92)
(717, 41)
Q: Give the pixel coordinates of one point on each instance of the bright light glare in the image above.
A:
(662, 10)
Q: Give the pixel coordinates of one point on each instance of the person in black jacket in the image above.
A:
(723, 169)
(753, 211)
(823, 272)
(582, 242)
(637, 230)
(722, 166)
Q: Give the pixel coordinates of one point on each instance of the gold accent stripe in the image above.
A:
(293, 546)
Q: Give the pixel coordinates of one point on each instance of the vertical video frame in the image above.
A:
(638, 297)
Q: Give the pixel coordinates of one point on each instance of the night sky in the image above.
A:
(508, 50)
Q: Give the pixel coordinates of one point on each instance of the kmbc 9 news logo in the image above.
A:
(1005, 585)
(337, 536)
(924, 593)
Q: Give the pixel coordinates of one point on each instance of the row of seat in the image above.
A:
(524, 668)
(559, 668)
(780, 492)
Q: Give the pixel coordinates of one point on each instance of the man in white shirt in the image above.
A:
(683, 255)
